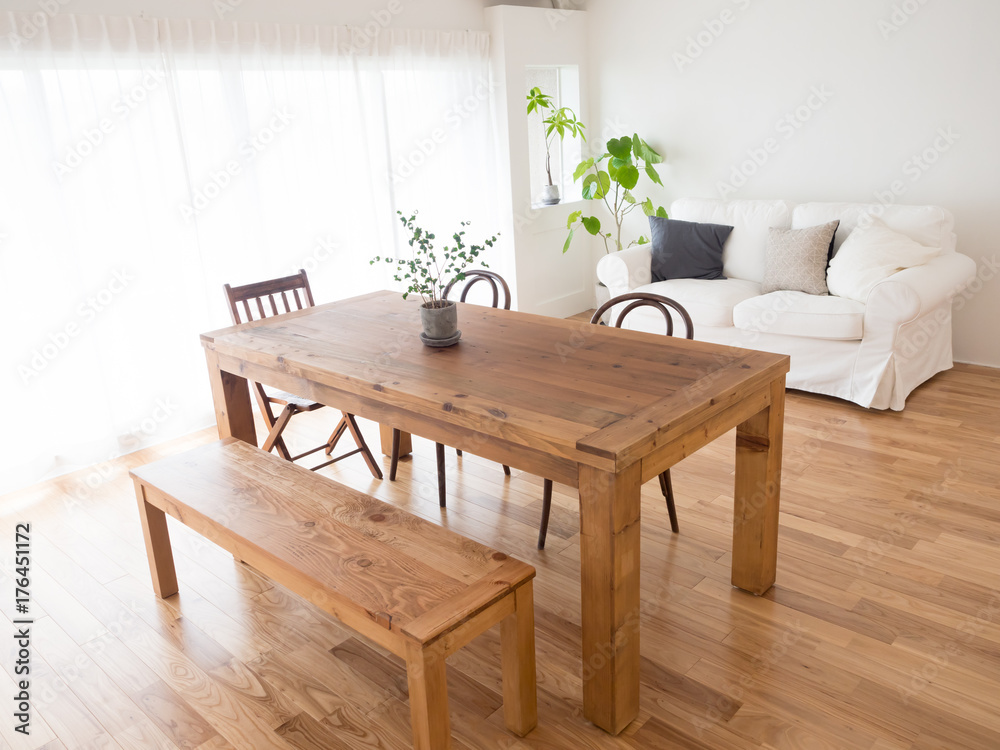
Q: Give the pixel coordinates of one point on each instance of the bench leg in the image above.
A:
(161, 559)
(425, 673)
(517, 643)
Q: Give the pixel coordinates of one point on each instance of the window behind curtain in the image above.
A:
(145, 163)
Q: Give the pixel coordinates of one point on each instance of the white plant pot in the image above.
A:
(550, 194)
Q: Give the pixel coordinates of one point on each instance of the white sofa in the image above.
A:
(873, 354)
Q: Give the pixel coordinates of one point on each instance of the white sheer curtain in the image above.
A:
(145, 163)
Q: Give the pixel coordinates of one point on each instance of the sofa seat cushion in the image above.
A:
(800, 314)
(709, 303)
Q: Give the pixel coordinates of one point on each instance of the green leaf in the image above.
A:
(642, 151)
(620, 147)
(615, 165)
(628, 177)
(642, 241)
(569, 239)
(572, 219)
(629, 198)
(582, 168)
(592, 224)
(647, 207)
(538, 100)
(651, 174)
(596, 186)
(662, 213)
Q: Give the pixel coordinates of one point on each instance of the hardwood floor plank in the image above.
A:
(889, 551)
(41, 733)
(173, 716)
(317, 682)
(144, 736)
(83, 676)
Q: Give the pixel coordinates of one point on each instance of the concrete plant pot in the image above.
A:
(440, 323)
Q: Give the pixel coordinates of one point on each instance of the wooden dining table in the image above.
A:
(600, 409)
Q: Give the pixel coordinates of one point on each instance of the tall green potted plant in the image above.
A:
(561, 121)
(611, 178)
(427, 273)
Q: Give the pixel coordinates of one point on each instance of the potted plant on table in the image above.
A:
(561, 121)
(429, 272)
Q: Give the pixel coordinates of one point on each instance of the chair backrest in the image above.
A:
(259, 297)
(646, 299)
(495, 280)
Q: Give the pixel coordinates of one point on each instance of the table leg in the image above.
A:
(385, 437)
(609, 551)
(757, 494)
(231, 393)
(157, 536)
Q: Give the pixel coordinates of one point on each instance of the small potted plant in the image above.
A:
(560, 122)
(427, 273)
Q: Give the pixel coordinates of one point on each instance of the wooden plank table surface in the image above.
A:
(597, 408)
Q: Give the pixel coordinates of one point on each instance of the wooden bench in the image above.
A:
(417, 589)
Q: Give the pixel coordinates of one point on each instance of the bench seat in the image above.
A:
(415, 588)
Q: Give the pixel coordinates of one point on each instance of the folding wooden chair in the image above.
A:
(265, 298)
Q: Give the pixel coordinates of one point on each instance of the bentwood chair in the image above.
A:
(271, 297)
(635, 300)
(499, 287)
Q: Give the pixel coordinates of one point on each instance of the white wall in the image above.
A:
(405, 14)
(411, 14)
(546, 282)
(886, 100)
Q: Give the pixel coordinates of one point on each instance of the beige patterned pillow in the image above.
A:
(797, 259)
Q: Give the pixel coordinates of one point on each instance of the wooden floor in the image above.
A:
(882, 633)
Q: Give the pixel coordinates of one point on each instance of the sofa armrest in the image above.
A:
(623, 271)
(912, 292)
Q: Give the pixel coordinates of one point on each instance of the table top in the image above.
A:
(594, 394)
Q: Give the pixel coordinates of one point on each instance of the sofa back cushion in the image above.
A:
(931, 226)
(745, 253)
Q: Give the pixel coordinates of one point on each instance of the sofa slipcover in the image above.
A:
(873, 353)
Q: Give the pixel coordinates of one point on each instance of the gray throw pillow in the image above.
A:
(686, 249)
(797, 259)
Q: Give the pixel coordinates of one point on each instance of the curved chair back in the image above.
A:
(495, 280)
(647, 299)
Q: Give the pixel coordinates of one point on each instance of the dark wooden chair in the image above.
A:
(635, 300)
(275, 297)
(499, 287)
